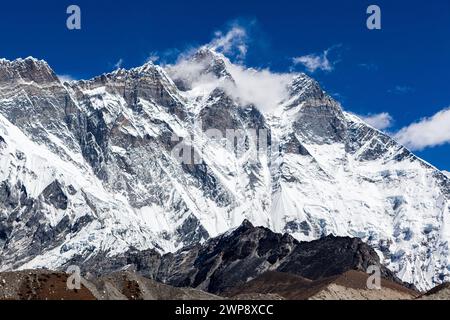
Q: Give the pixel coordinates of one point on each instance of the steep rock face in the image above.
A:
(33, 98)
(332, 256)
(226, 261)
(109, 142)
(321, 122)
(26, 70)
(54, 195)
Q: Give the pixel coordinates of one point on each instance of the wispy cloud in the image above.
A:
(152, 57)
(368, 66)
(65, 78)
(428, 132)
(233, 42)
(118, 64)
(313, 62)
(380, 121)
(261, 87)
(401, 89)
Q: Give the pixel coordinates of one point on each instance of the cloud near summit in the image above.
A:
(261, 87)
(313, 62)
(267, 89)
(233, 42)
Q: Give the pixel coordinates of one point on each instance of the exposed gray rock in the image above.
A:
(54, 195)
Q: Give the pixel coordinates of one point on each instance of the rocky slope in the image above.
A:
(88, 169)
(40, 285)
(441, 292)
(48, 285)
(235, 258)
(124, 285)
(351, 285)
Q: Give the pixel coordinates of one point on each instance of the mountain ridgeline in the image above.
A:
(88, 172)
(232, 259)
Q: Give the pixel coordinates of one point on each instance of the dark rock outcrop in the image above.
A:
(233, 259)
(55, 195)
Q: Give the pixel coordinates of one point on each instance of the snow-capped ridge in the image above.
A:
(109, 143)
(26, 70)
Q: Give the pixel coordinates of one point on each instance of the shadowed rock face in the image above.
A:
(331, 256)
(220, 114)
(54, 195)
(227, 260)
(235, 258)
(321, 121)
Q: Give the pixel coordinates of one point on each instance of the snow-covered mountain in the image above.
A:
(91, 167)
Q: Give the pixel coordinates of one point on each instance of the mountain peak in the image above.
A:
(27, 69)
(212, 62)
(205, 62)
(206, 51)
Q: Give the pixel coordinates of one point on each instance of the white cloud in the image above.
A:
(369, 66)
(153, 57)
(65, 78)
(401, 90)
(261, 87)
(379, 121)
(118, 64)
(428, 132)
(314, 62)
(234, 42)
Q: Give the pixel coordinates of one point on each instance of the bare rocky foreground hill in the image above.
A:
(352, 285)
(47, 285)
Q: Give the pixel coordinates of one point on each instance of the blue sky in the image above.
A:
(400, 73)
